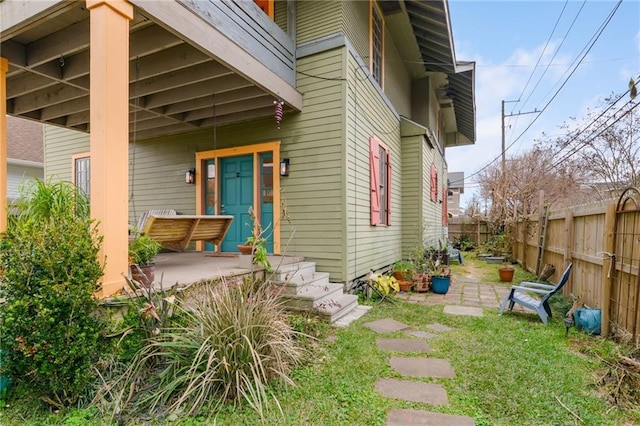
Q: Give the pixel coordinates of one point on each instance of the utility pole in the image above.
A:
(535, 111)
(502, 193)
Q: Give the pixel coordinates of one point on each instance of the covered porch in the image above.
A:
(183, 269)
(123, 71)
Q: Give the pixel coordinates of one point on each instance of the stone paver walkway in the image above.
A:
(407, 390)
(467, 291)
(402, 417)
(403, 345)
(463, 310)
(412, 367)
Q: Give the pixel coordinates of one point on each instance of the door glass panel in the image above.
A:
(266, 197)
(209, 193)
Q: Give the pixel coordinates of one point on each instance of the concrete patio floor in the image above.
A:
(192, 267)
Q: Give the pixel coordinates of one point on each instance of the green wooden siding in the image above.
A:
(370, 247)
(397, 82)
(432, 210)
(412, 193)
(317, 19)
(59, 145)
(356, 15)
(280, 14)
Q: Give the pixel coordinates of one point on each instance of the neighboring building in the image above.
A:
(372, 96)
(456, 188)
(24, 154)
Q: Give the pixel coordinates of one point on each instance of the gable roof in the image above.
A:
(24, 140)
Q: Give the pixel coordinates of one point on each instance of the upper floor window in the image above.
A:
(376, 49)
(380, 181)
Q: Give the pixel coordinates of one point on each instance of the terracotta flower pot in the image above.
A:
(422, 283)
(405, 285)
(398, 275)
(245, 248)
(506, 273)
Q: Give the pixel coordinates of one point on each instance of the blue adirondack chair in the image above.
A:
(519, 294)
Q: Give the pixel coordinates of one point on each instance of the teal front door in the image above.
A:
(236, 196)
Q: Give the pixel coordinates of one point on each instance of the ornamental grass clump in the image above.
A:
(231, 342)
(49, 330)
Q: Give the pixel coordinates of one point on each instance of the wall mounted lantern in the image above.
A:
(284, 167)
(190, 176)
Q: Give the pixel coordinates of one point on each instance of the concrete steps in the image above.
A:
(306, 290)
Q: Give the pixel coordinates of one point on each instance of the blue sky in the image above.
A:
(507, 38)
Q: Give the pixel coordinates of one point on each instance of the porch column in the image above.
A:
(109, 127)
(4, 67)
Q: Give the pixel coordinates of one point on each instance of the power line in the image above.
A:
(555, 53)
(584, 53)
(535, 67)
(591, 138)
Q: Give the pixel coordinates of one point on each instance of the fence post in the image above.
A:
(608, 264)
(568, 243)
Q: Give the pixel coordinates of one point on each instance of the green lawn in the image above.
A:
(510, 370)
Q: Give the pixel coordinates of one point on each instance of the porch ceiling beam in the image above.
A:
(217, 85)
(46, 75)
(149, 40)
(74, 40)
(227, 119)
(230, 108)
(68, 41)
(237, 117)
(46, 97)
(179, 78)
(27, 83)
(207, 100)
(199, 32)
(66, 108)
(163, 131)
(173, 58)
(158, 122)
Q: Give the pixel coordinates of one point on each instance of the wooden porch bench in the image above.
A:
(175, 232)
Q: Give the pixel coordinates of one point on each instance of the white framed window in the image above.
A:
(81, 172)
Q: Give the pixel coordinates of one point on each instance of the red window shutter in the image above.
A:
(374, 172)
(388, 188)
(434, 183)
(445, 213)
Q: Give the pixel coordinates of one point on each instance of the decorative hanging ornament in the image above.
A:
(278, 105)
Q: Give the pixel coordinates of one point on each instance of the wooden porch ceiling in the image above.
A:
(173, 85)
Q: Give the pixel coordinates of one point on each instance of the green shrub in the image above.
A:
(50, 275)
(230, 343)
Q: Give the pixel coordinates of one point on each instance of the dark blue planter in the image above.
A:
(440, 285)
(5, 382)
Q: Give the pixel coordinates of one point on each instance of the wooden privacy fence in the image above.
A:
(475, 229)
(603, 242)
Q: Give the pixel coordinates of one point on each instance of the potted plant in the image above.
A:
(403, 270)
(439, 273)
(441, 280)
(142, 250)
(506, 272)
(256, 243)
(421, 262)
